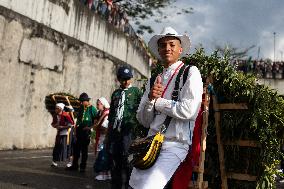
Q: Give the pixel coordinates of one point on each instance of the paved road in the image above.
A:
(31, 169)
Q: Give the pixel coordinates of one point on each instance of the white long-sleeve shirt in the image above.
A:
(183, 112)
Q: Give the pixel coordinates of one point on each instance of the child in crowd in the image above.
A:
(85, 121)
(122, 124)
(71, 136)
(62, 122)
(102, 164)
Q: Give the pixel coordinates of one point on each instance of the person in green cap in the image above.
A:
(122, 126)
(85, 121)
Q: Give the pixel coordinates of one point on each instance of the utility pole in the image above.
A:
(258, 52)
(281, 53)
(274, 34)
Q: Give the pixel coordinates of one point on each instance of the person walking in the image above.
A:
(62, 122)
(173, 101)
(70, 136)
(122, 124)
(85, 121)
(102, 163)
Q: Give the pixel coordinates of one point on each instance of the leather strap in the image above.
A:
(183, 71)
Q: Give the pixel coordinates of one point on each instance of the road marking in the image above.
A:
(25, 157)
(33, 157)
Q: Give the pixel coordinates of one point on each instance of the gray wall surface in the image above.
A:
(49, 46)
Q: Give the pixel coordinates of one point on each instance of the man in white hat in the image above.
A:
(159, 103)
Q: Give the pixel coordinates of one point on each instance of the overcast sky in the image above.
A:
(240, 23)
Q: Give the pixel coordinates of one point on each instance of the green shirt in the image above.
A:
(86, 116)
(132, 99)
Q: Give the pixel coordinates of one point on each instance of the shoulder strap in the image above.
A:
(185, 74)
(176, 88)
(175, 93)
(102, 118)
(184, 70)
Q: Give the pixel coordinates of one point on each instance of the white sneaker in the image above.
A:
(53, 164)
(100, 177)
(69, 164)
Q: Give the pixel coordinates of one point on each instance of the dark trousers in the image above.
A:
(60, 148)
(120, 166)
(120, 172)
(81, 146)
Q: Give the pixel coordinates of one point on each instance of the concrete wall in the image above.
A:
(56, 46)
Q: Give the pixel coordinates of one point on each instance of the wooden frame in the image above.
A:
(200, 183)
(217, 116)
(244, 143)
(240, 176)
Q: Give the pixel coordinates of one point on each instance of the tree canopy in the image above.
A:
(234, 52)
(141, 10)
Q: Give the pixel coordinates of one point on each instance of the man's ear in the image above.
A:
(180, 50)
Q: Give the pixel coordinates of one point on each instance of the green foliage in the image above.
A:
(264, 121)
(267, 179)
(141, 10)
(235, 125)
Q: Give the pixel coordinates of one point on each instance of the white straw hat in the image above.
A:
(168, 32)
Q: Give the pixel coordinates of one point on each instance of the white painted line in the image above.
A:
(32, 157)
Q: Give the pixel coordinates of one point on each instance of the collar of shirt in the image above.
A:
(126, 88)
(167, 72)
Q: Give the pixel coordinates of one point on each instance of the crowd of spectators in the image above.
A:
(112, 13)
(262, 68)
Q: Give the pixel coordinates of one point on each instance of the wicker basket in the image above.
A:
(67, 99)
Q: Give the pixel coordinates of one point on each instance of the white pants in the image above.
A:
(156, 177)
